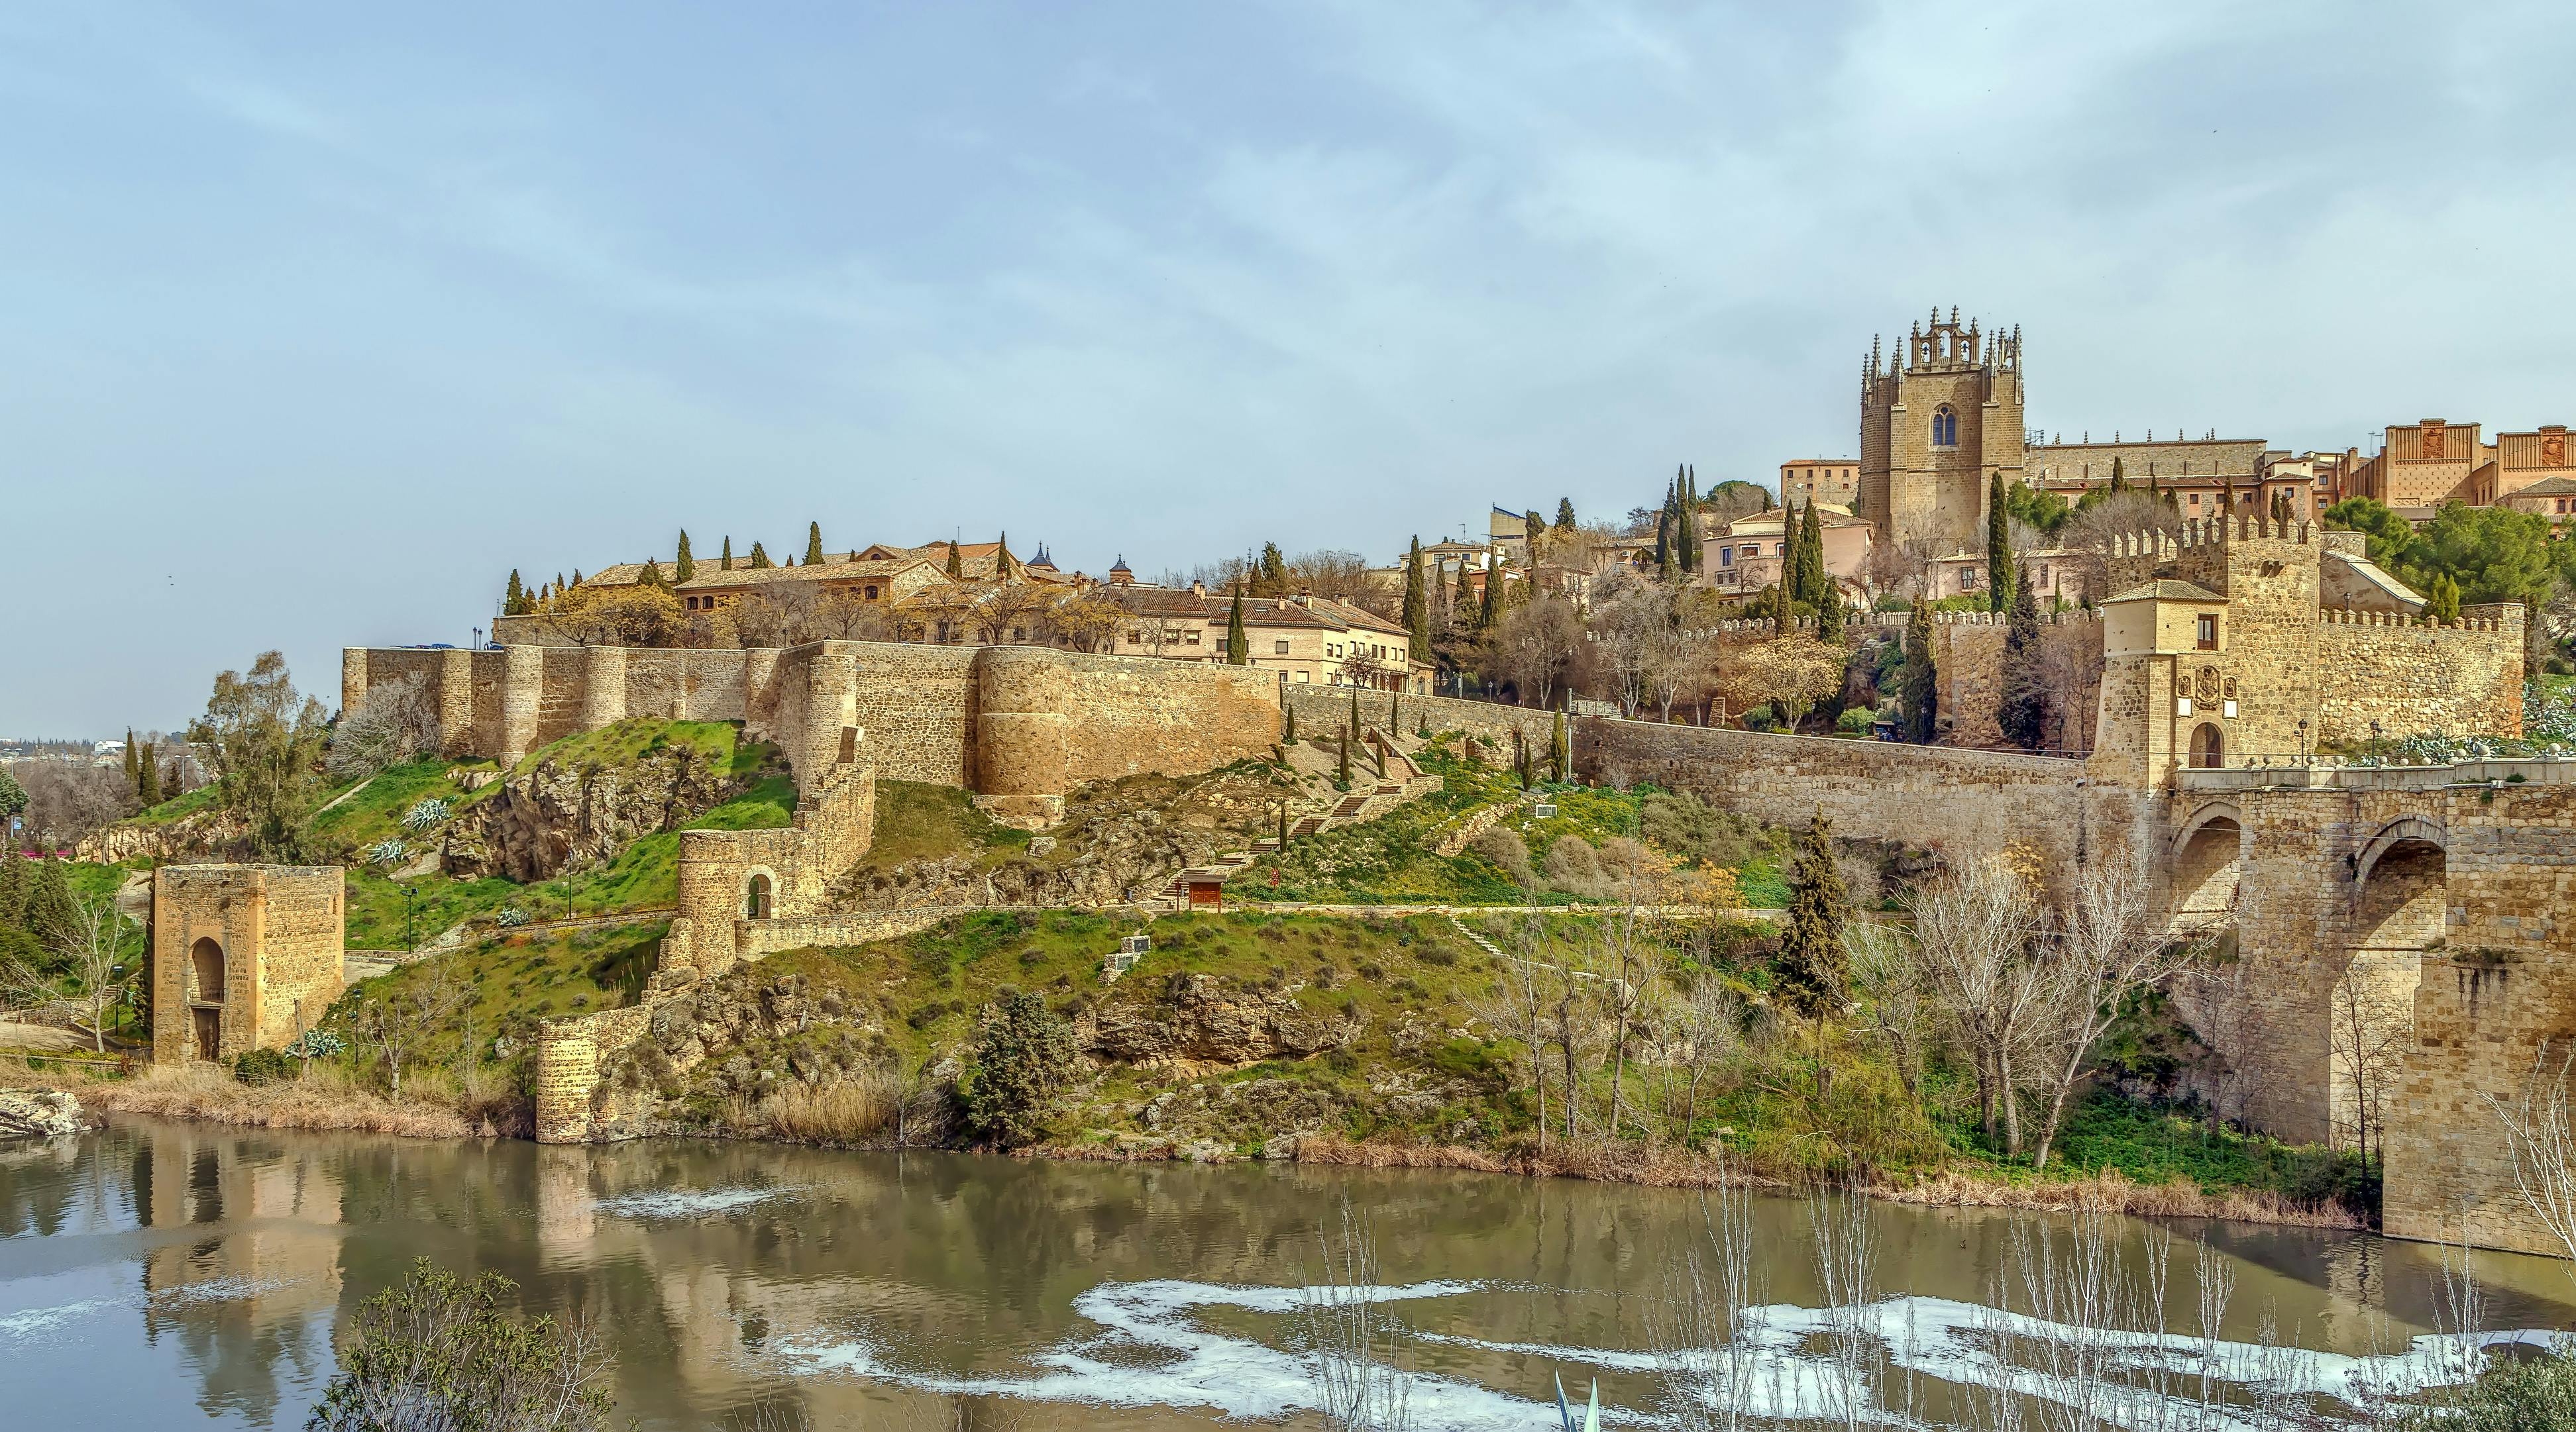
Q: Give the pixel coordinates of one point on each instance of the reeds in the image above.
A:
(1357, 1386)
(325, 1098)
(869, 1107)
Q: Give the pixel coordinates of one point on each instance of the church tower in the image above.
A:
(1936, 425)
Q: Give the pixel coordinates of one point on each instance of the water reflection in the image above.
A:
(207, 1267)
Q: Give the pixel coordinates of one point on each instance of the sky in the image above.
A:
(316, 321)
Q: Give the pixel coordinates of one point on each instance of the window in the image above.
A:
(1726, 555)
(1301, 676)
(1279, 647)
(2195, 499)
(871, 594)
(755, 898)
(2208, 748)
(2207, 632)
(1945, 426)
(1779, 549)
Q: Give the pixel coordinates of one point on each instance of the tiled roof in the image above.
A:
(2166, 590)
(2546, 487)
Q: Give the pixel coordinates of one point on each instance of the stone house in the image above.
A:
(1834, 481)
(1314, 641)
(1747, 554)
(2421, 466)
(2550, 497)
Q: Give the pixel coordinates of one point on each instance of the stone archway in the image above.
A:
(2399, 915)
(758, 896)
(2208, 864)
(2208, 747)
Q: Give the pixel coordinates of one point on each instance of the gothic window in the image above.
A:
(1945, 427)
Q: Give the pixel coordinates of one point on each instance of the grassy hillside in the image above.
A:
(644, 875)
(1390, 860)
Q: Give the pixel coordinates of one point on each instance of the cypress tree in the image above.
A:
(1565, 514)
(1458, 599)
(2119, 476)
(1918, 686)
(2442, 599)
(1999, 559)
(1355, 712)
(514, 596)
(1238, 648)
(130, 778)
(760, 558)
(686, 566)
(1290, 739)
(724, 563)
(1492, 608)
(149, 774)
(813, 544)
(559, 584)
(2023, 712)
(1417, 607)
(956, 564)
(1784, 611)
(1560, 749)
(1283, 827)
(1815, 980)
(576, 576)
(1273, 580)
(1342, 761)
(1533, 527)
(1664, 533)
(51, 915)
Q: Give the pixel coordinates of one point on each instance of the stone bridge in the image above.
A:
(2407, 939)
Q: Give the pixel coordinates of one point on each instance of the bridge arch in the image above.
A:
(2208, 865)
(2392, 835)
(2400, 913)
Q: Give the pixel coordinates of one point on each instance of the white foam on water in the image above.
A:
(1938, 1338)
(36, 1322)
(689, 1202)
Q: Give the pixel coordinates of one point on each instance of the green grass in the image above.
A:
(2157, 1145)
(189, 804)
(511, 983)
(917, 821)
(645, 875)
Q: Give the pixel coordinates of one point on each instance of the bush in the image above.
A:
(442, 1352)
(395, 721)
(1688, 826)
(263, 1066)
(1573, 866)
(1506, 851)
(1022, 1060)
(2520, 1394)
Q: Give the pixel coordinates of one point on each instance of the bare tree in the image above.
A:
(395, 721)
(66, 801)
(1791, 673)
(1973, 926)
(401, 1023)
(1896, 996)
(2372, 1020)
(1706, 1353)
(2540, 1139)
(1632, 634)
(91, 977)
(1708, 1025)
(1357, 1385)
(1534, 643)
(2111, 941)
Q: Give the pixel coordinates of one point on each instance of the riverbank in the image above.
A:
(326, 1101)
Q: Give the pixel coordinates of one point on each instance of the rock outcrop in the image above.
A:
(40, 1113)
(193, 836)
(1203, 1019)
(555, 818)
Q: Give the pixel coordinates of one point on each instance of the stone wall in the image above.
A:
(2413, 678)
(275, 932)
(1323, 710)
(1968, 663)
(1046, 721)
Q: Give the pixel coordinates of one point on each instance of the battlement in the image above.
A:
(2204, 532)
(2497, 623)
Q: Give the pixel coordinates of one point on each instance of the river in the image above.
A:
(154, 1271)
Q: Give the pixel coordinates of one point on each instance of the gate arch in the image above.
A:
(2404, 828)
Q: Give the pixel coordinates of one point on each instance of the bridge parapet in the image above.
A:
(2292, 774)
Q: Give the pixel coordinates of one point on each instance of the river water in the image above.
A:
(157, 1273)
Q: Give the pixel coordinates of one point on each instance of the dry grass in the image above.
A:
(860, 1110)
(325, 1099)
(2111, 1192)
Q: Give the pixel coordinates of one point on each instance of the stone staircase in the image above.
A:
(1404, 781)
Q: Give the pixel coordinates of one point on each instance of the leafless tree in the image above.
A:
(1973, 926)
(2372, 1021)
(1705, 1351)
(1329, 572)
(1357, 1385)
(1082, 621)
(1896, 996)
(2540, 1139)
(1708, 1027)
(395, 721)
(2069, 669)
(1516, 1009)
(91, 978)
(1534, 643)
(2111, 941)
(1846, 1252)
(2120, 515)
(399, 1024)
(67, 800)
(1791, 673)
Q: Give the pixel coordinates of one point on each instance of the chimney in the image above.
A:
(1198, 589)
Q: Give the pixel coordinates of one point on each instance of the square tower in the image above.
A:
(1935, 427)
(243, 956)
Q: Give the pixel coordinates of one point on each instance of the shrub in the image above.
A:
(1574, 866)
(442, 1352)
(2520, 1394)
(395, 721)
(1505, 849)
(263, 1066)
(1022, 1059)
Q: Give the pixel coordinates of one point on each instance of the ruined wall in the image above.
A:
(1323, 710)
(1046, 721)
(278, 932)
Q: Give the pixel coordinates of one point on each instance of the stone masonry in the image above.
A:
(243, 956)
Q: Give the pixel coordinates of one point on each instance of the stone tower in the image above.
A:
(243, 956)
(1936, 425)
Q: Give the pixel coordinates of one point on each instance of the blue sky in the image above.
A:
(321, 318)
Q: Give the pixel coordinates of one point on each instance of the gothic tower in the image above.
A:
(1935, 427)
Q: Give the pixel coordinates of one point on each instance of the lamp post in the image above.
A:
(408, 892)
(2303, 742)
